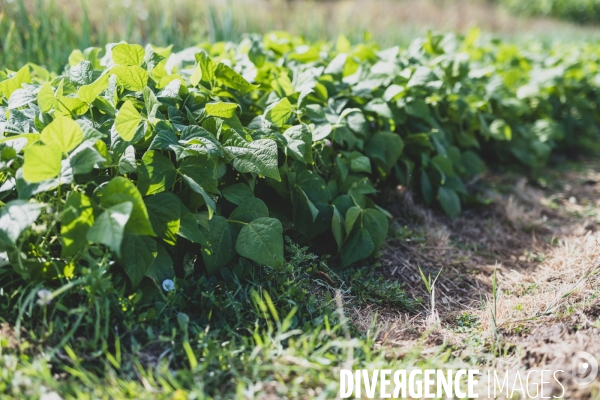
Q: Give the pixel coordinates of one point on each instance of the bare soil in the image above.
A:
(540, 238)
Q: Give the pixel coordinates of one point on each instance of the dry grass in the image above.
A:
(544, 247)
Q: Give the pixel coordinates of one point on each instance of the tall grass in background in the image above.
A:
(580, 11)
(45, 31)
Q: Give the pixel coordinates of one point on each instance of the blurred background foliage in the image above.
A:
(578, 11)
(45, 31)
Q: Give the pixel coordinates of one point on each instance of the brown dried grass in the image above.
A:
(543, 245)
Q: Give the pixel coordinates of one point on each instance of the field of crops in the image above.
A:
(200, 223)
(228, 146)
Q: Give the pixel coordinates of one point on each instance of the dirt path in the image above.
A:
(542, 240)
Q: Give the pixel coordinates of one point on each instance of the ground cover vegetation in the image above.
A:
(146, 190)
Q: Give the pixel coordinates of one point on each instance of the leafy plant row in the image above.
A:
(164, 162)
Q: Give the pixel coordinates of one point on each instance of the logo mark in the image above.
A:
(584, 367)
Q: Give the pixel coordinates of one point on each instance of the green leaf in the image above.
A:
(360, 164)
(314, 186)
(127, 121)
(380, 107)
(30, 138)
(15, 217)
(156, 173)
(164, 212)
(237, 193)
(82, 73)
(128, 162)
(121, 189)
(77, 219)
(153, 56)
(196, 76)
(376, 223)
(68, 106)
(337, 227)
(343, 203)
(342, 167)
(137, 256)
(161, 267)
(151, 103)
(299, 143)
(128, 54)
(449, 201)
(358, 246)
(64, 132)
(202, 170)
(221, 244)
(109, 227)
(75, 56)
(259, 157)
(500, 130)
(20, 98)
(443, 163)
(352, 215)
(456, 184)
(90, 134)
(257, 53)
(89, 93)
(189, 228)
(8, 86)
(262, 241)
(314, 212)
(206, 66)
(131, 77)
(165, 138)
(336, 66)
(221, 109)
(41, 162)
(282, 85)
(195, 139)
(83, 159)
(26, 189)
(321, 132)
(357, 123)
(228, 77)
(392, 92)
(45, 98)
(210, 203)
(418, 108)
(303, 98)
(426, 188)
(473, 163)
(278, 113)
(385, 148)
(249, 210)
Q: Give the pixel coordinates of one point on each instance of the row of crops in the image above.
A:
(162, 163)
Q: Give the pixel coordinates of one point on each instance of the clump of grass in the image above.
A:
(252, 330)
(367, 287)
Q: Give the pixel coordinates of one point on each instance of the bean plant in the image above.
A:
(163, 163)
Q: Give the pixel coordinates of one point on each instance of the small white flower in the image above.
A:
(45, 297)
(168, 285)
